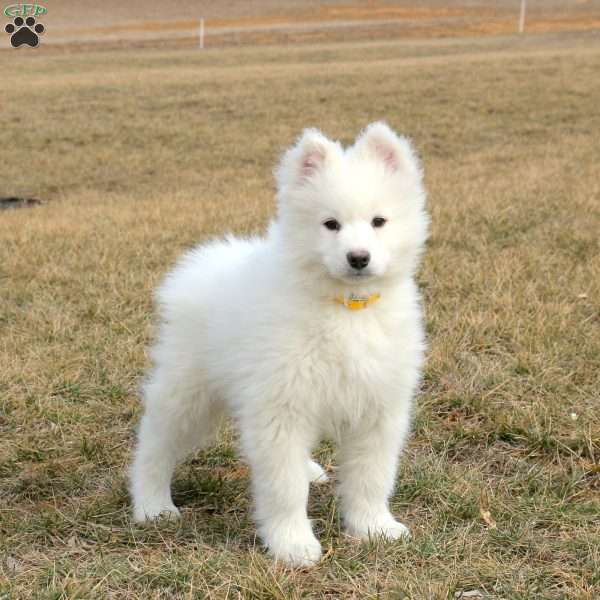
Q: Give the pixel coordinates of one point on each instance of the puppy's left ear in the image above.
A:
(305, 160)
(395, 153)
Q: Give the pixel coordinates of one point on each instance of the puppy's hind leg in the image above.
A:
(316, 473)
(178, 418)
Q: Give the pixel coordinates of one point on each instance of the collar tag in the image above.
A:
(354, 302)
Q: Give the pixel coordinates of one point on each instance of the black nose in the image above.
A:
(359, 259)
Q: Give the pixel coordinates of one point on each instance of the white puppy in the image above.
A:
(312, 331)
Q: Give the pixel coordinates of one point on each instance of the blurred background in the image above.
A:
(238, 22)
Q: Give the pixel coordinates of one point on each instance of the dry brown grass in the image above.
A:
(141, 154)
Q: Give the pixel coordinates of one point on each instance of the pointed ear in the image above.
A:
(305, 159)
(394, 152)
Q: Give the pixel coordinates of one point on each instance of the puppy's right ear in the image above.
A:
(394, 152)
(305, 160)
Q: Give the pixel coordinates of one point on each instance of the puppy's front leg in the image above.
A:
(368, 462)
(278, 454)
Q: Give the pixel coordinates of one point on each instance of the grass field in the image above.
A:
(141, 154)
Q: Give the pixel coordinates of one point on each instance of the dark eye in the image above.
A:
(332, 225)
(378, 222)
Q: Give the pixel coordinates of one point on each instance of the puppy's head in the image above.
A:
(354, 214)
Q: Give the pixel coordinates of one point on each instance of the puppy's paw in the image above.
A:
(151, 511)
(298, 553)
(294, 547)
(316, 474)
(394, 530)
(384, 525)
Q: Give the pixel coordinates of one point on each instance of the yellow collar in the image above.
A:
(354, 302)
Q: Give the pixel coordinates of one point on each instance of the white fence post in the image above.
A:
(201, 34)
(522, 17)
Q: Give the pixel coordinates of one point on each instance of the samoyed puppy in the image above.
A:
(313, 331)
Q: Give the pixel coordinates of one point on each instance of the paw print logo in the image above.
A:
(24, 32)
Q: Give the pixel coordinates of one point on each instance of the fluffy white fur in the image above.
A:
(251, 327)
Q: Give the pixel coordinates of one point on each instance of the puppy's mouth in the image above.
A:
(354, 275)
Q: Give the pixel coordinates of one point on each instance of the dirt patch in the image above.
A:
(11, 202)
